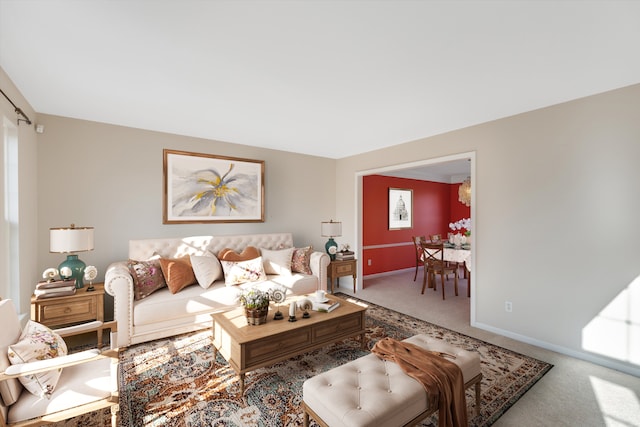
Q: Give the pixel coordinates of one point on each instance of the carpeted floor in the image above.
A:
(175, 382)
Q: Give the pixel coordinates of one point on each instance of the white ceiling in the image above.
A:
(326, 78)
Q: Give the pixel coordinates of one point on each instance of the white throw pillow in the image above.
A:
(237, 272)
(278, 261)
(207, 269)
(38, 342)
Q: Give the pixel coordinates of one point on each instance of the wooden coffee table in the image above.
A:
(249, 347)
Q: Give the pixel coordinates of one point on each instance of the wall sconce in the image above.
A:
(331, 229)
(71, 240)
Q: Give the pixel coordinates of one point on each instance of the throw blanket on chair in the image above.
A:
(441, 378)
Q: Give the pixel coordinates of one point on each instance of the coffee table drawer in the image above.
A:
(333, 328)
(258, 351)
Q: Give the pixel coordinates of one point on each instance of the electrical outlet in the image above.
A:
(508, 307)
(369, 262)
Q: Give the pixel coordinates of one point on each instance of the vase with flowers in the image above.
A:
(462, 230)
(256, 305)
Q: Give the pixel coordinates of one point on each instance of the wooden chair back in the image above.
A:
(417, 243)
(433, 253)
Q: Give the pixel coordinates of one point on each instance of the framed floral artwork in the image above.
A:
(400, 208)
(206, 188)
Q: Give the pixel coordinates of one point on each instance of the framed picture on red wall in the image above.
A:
(400, 208)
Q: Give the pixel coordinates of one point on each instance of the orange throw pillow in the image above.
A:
(248, 253)
(178, 273)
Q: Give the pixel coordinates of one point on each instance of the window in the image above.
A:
(9, 271)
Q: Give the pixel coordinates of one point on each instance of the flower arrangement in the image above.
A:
(254, 298)
(463, 226)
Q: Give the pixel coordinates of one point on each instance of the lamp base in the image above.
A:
(77, 270)
(331, 247)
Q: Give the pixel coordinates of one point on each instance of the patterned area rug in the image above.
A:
(175, 382)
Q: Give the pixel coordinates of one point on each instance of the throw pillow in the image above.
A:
(300, 260)
(277, 262)
(248, 253)
(237, 272)
(207, 269)
(177, 273)
(147, 277)
(37, 342)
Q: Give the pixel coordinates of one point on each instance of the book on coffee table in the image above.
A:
(325, 307)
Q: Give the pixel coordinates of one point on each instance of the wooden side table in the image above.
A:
(340, 268)
(81, 307)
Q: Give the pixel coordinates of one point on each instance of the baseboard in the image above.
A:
(388, 273)
(602, 361)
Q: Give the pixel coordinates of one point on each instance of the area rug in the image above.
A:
(175, 382)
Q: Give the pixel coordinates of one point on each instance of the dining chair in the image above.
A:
(435, 264)
(87, 380)
(417, 242)
(435, 238)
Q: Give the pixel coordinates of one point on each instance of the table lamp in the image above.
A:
(331, 229)
(69, 241)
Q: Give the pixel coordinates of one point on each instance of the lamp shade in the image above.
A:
(331, 229)
(72, 239)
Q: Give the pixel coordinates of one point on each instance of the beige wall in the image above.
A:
(557, 195)
(110, 177)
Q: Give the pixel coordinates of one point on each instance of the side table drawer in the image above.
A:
(77, 310)
(345, 269)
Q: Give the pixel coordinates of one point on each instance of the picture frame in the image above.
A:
(400, 208)
(208, 188)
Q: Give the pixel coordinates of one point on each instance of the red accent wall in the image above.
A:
(435, 205)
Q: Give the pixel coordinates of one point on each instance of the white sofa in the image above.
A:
(164, 314)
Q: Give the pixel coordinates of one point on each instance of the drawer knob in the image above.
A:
(67, 310)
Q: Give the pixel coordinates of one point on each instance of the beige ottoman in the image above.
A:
(373, 392)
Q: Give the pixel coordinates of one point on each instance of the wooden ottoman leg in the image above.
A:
(478, 397)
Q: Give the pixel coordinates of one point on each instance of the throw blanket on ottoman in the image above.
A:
(441, 378)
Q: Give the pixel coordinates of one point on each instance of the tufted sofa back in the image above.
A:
(199, 245)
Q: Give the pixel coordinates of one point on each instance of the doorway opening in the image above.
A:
(456, 166)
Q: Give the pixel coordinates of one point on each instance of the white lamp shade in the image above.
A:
(73, 239)
(331, 229)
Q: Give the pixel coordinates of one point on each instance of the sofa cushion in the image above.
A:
(300, 260)
(296, 284)
(207, 269)
(37, 342)
(72, 389)
(250, 252)
(177, 273)
(277, 261)
(236, 272)
(162, 306)
(147, 277)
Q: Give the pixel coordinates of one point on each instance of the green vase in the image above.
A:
(77, 270)
(331, 247)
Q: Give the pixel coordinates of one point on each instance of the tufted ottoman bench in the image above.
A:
(372, 392)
